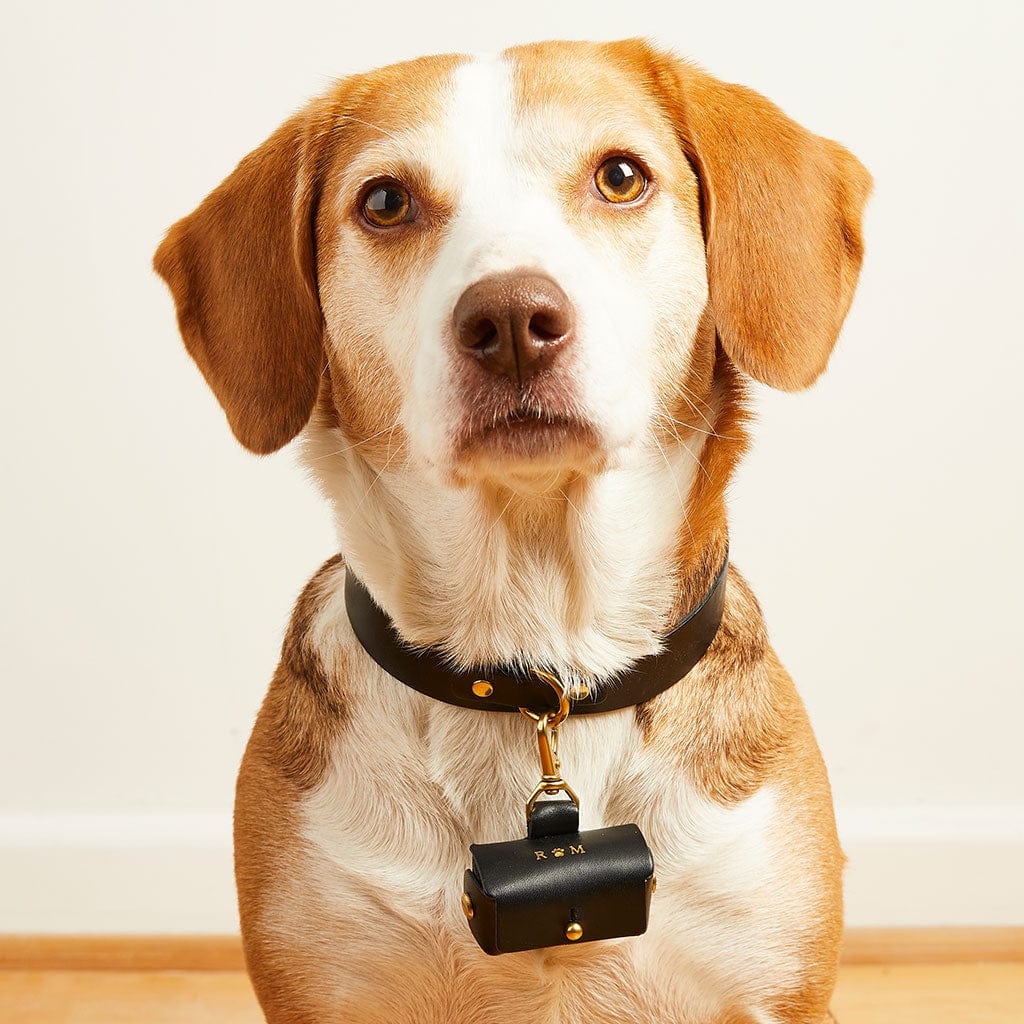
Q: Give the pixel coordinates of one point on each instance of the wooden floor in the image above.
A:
(907, 994)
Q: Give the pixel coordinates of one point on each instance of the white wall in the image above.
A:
(149, 564)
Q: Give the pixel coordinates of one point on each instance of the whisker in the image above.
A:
(679, 494)
(700, 465)
(382, 471)
(685, 447)
(668, 421)
(342, 451)
(703, 401)
(692, 399)
(501, 515)
(571, 502)
(554, 483)
(370, 124)
(690, 426)
(706, 419)
(391, 437)
(706, 433)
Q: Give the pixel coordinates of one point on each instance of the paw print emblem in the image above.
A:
(558, 851)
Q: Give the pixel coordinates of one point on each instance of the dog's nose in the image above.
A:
(513, 323)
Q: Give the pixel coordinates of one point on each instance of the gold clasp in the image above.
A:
(556, 718)
(547, 746)
(551, 781)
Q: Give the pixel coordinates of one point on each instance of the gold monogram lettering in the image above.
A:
(576, 849)
(540, 855)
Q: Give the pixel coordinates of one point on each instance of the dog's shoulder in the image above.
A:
(305, 706)
(736, 714)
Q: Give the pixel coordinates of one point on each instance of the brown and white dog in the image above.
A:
(509, 303)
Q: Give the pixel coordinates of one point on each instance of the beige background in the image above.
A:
(149, 564)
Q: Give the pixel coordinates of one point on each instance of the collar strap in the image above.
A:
(502, 688)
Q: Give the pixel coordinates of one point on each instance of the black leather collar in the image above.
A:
(501, 688)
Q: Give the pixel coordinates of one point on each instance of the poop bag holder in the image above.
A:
(558, 885)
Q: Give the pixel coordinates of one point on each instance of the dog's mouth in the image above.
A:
(528, 432)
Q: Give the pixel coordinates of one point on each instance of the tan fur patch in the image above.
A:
(304, 708)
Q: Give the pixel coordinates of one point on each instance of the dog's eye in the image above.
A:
(387, 205)
(619, 180)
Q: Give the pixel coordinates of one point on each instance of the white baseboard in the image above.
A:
(116, 873)
(933, 866)
(171, 873)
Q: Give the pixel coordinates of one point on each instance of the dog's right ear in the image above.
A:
(242, 270)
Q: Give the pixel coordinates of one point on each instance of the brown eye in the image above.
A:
(387, 205)
(620, 180)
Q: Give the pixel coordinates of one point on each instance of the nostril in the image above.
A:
(480, 334)
(547, 326)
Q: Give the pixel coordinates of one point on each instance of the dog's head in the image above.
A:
(501, 266)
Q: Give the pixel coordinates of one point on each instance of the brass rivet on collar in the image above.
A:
(482, 688)
(654, 884)
(579, 691)
(467, 905)
(574, 932)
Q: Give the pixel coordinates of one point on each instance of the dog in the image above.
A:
(511, 304)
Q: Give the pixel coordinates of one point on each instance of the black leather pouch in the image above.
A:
(558, 886)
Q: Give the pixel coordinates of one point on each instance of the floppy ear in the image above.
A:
(782, 224)
(242, 270)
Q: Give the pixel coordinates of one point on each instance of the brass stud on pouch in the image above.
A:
(467, 906)
(574, 932)
(482, 688)
(654, 884)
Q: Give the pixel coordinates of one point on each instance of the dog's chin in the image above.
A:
(526, 445)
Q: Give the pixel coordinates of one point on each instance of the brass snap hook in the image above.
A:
(559, 716)
(547, 745)
(551, 781)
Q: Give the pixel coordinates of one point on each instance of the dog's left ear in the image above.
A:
(782, 222)
(242, 270)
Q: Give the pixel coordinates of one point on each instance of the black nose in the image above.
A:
(514, 324)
